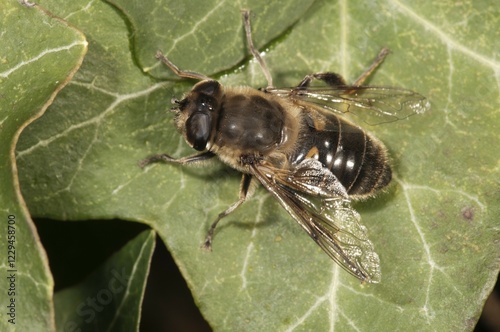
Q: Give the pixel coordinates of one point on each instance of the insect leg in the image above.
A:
(183, 161)
(253, 50)
(181, 73)
(334, 80)
(331, 79)
(244, 186)
(378, 60)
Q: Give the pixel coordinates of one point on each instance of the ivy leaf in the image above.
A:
(32, 71)
(109, 299)
(435, 229)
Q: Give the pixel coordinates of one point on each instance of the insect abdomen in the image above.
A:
(373, 171)
(357, 160)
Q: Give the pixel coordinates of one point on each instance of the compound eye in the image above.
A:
(198, 130)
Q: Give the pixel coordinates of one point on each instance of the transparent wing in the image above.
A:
(319, 203)
(372, 105)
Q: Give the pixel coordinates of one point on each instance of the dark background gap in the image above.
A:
(76, 249)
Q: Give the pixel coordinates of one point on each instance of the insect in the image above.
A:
(295, 143)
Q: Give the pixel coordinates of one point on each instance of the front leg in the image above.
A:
(200, 157)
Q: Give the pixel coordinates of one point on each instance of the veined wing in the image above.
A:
(314, 197)
(372, 105)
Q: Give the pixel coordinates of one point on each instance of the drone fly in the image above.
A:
(296, 143)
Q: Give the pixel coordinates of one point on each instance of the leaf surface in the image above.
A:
(109, 299)
(436, 229)
(38, 57)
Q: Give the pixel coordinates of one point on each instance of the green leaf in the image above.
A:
(109, 299)
(435, 229)
(39, 55)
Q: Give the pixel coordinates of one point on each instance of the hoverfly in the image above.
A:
(295, 143)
